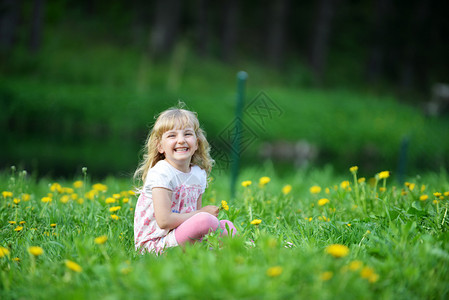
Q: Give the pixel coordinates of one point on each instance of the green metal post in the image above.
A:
(235, 161)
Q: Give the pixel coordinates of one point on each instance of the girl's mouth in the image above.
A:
(181, 149)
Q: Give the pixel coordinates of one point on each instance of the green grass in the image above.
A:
(398, 242)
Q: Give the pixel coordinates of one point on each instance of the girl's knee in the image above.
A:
(206, 221)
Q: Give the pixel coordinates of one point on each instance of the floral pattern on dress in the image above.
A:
(186, 188)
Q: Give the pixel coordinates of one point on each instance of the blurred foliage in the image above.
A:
(89, 97)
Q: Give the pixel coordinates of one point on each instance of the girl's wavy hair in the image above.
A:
(174, 118)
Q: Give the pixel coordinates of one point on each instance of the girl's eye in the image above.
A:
(188, 133)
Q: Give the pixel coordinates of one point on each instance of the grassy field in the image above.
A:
(311, 235)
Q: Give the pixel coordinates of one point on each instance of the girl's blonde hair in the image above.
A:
(174, 118)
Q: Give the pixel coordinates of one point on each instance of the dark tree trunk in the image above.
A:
(9, 16)
(276, 31)
(230, 29)
(376, 60)
(141, 12)
(37, 23)
(415, 47)
(202, 27)
(165, 27)
(321, 34)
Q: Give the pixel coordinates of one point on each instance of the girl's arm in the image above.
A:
(165, 218)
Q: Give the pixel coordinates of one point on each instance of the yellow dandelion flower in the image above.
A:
(109, 200)
(56, 187)
(80, 200)
(403, 192)
(368, 273)
(373, 278)
(53, 225)
(22, 222)
(75, 196)
(423, 188)
(353, 169)
(287, 189)
(437, 194)
(423, 197)
(26, 197)
(35, 250)
(4, 252)
(16, 200)
(382, 189)
(12, 222)
(264, 180)
(100, 187)
(446, 194)
(115, 217)
(46, 199)
(224, 205)
(18, 228)
(101, 240)
(315, 189)
(131, 193)
(323, 201)
(411, 186)
(64, 199)
(361, 180)
(73, 266)
(384, 174)
(337, 250)
(116, 196)
(91, 194)
(246, 183)
(355, 265)
(345, 184)
(16, 259)
(78, 184)
(256, 221)
(349, 224)
(274, 271)
(326, 275)
(67, 190)
(125, 200)
(435, 201)
(115, 208)
(6, 194)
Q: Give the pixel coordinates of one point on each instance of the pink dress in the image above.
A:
(186, 189)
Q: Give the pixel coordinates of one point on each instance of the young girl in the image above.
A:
(174, 171)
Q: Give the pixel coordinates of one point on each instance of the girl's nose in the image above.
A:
(181, 139)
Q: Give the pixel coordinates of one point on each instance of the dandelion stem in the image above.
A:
(444, 217)
(361, 240)
(356, 185)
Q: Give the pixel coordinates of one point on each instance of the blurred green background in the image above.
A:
(338, 83)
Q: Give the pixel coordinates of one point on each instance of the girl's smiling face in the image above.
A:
(178, 147)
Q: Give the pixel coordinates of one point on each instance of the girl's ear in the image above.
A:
(159, 148)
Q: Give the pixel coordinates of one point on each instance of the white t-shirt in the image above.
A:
(186, 189)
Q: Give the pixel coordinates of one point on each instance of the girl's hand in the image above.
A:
(212, 209)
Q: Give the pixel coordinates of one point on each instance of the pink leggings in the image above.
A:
(197, 226)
